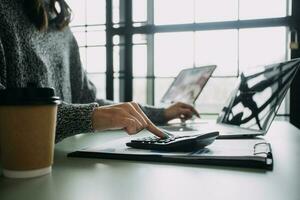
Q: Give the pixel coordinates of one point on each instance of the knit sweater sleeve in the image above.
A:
(73, 119)
(155, 114)
(76, 117)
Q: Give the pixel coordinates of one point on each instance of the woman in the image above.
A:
(36, 45)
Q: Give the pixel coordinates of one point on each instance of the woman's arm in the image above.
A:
(74, 119)
(176, 110)
(71, 118)
(155, 114)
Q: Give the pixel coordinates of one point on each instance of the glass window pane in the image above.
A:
(82, 51)
(260, 46)
(139, 10)
(139, 60)
(139, 39)
(173, 11)
(254, 9)
(99, 81)
(96, 38)
(116, 58)
(116, 89)
(214, 95)
(173, 52)
(95, 28)
(78, 12)
(161, 86)
(96, 59)
(216, 10)
(95, 11)
(116, 39)
(220, 48)
(116, 11)
(79, 34)
(140, 90)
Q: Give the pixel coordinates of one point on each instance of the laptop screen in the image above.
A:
(188, 85)
(258, 94)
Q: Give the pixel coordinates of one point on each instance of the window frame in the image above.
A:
(126, 30)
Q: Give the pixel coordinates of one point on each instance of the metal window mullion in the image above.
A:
(122, 53)
(128, 52)
(109, 52)
(294, 91)
(122, 70)
(150, 56)
(238, 24)
(126, 79)
(286, 102)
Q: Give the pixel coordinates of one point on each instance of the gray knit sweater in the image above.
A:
(51, 59)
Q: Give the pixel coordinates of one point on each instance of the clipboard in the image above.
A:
(249, 153)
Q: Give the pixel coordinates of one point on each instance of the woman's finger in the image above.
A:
(128, 122)
(134, 109)
(150, 126)
(131, 125)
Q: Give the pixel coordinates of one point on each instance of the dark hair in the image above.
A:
(38, 14)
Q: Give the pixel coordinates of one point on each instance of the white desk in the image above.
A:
(89, 179)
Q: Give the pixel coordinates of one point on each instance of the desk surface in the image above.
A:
(88, 179)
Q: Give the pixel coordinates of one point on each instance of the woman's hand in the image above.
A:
(127, 116)
(180, 110)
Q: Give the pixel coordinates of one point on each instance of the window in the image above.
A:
(88, 26)
(214, 10)
(256, 9)
(231, 49)
(152, 40)
(259, 46)
(166, 14)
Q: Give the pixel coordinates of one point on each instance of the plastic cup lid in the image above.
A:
(30, 95)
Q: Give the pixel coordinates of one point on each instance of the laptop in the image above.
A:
(253, 103)
(187, 85)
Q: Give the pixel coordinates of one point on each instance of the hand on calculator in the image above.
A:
(174, 143)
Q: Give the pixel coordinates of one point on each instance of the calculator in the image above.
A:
(174, 143)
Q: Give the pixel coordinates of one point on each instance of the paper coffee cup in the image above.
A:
(27, 131)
